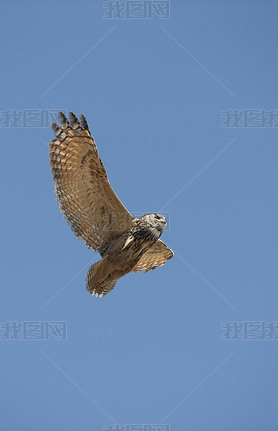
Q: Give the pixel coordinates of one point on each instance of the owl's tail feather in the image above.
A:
(99, 279)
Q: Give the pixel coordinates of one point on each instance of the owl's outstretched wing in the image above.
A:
(86, 197)
(156, 255)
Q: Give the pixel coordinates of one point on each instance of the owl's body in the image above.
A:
(97, 215)
(122, 255)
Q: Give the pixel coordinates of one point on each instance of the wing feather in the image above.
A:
(86, 197)
(156, 255)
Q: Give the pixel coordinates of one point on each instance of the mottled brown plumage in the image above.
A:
(96, 214)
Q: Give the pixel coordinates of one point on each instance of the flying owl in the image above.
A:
(95, 213)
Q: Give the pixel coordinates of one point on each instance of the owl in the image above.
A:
(95, 213)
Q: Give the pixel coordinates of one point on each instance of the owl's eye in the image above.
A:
(156, 216)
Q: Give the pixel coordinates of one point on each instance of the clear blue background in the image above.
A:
(155, 114)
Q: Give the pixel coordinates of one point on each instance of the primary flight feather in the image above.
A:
(96, 214)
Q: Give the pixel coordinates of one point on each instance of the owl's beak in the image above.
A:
(163, 224)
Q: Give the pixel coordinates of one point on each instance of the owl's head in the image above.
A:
(156, 222)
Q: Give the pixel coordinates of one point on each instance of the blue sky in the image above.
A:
(153, 91)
